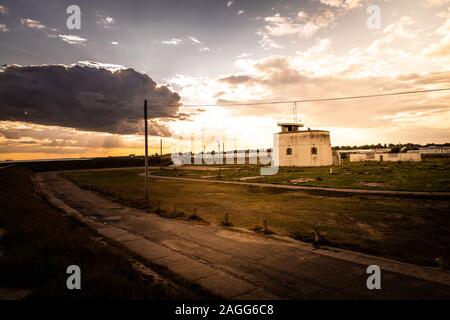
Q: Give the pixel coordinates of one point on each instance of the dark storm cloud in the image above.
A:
(233, 80)
(158, 129)
(82, 97)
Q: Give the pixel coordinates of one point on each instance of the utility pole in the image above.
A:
(146, 150)
(220, 161)
(160, 153)
(203, 145)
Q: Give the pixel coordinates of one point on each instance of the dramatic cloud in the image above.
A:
(26, 140)
(346, 4)
(442, 48)
(37, 25)
(272, 52)
(83, 97)
(236, 79)
(435, 3)
(302, 25)
(72, 39)
(3, 10)
(3, 28)
(280, 26)
(194, 40)
(278, 78)
(173, 41)
(101, 65)
(198, 43)
(159, 129)
(32, 24)
(106, 22)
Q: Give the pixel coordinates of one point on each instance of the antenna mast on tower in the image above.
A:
(294, 112)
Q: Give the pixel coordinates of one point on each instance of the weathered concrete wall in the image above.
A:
(355, 157)
(337, 160)
(301, 144)
(415, 157)
(410, 157)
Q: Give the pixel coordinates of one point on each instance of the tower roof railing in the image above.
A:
(286, 123)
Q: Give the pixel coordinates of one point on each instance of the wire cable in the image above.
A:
(304, 100)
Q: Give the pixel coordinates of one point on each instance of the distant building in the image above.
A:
(302, 148)
(378, 150)
(376, 156)
(342, 155)
(432, 150)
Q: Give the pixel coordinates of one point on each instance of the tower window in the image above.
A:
(289, 151)
(313, 150)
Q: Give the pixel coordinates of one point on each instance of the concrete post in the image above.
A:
(265, 228)
(316, 235)
(225, 219)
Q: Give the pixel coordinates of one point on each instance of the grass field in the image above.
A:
(411, 230)
(432, 174)
(40, 243)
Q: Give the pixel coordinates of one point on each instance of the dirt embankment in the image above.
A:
(39, 243)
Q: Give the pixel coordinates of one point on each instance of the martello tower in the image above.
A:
(302, 148)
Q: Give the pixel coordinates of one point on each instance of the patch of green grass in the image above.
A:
(41, 243)
(432, 174)
(411, 230)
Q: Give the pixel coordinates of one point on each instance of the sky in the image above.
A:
(79, 92)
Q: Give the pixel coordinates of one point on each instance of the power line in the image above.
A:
(306, 100)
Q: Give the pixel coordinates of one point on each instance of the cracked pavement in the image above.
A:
(242, 265)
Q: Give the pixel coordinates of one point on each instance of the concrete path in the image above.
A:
(242, 265)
